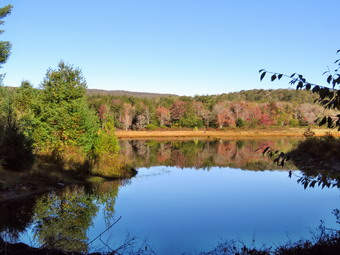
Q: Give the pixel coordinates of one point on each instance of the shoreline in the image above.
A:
(232, 133)
(16, 185)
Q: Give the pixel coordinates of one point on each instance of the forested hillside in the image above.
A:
(252, 108)
(124, 93)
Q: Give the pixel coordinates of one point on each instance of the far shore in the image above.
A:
(228, 134)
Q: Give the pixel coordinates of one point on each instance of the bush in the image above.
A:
(294, 123)
(240, 122)
(151, 127)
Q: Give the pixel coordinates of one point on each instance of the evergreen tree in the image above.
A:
(64, 117)
(5, 46)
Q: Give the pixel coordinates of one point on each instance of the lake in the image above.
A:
(187, 197)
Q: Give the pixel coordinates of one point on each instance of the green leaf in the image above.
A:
(300, 85)
(313, 183)
(305, 185)
(262, 76)
(329, 79)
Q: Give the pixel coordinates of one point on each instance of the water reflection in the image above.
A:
(203, 154)
(62, 219)
(15, 217)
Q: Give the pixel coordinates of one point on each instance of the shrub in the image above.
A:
(294, 123)
(151, 127)
(240, 122)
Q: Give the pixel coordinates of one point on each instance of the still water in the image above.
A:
(187, 197)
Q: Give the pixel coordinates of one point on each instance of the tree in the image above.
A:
(14, 144)
(308, 113)
(237, 108)
(203, 113)
(141, 119)
(328, 95)
(163, 116)
(5, 46)
(177, 110)
(63, 117)
(127, 116)
(223, 115)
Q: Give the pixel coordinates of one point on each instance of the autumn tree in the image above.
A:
(223, 115)
(237, 108)
(141, 119)
(308, 113)
(163, 116)
(177, 110)
(328, 95)
(103, 112)
(202, 112)
(127, 116)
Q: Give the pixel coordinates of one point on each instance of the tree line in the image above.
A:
(254, 108)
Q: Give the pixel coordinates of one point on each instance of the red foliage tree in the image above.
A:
(163, 115)
(177, 110)
(223, 115)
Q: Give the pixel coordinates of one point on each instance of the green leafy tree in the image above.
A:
(14, 144)
(63, 117)
(5, 46)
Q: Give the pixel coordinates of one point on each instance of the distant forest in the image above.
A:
(250, 108)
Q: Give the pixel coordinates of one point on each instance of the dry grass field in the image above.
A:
(232, 133)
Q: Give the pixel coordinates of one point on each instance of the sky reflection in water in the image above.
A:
(186, 210)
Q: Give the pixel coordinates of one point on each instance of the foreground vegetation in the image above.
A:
(325, 241)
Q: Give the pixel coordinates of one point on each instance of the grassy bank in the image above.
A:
(50, 173)
(228, 133)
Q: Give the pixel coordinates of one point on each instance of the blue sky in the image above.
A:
(185, 47)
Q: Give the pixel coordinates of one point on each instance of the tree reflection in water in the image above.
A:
(202, 153)
(61, 219)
